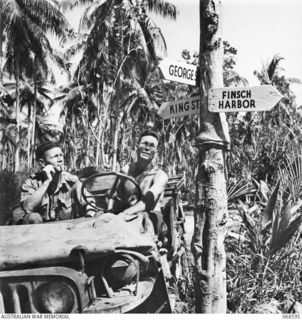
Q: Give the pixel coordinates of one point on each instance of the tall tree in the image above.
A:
(211, 212)
(122, 49)
(25, 24)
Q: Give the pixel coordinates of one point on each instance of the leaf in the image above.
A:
(248, 221)
(285, 236)
(264, 189)
(269, 209)
(253, 209)
(284, 219)
(275, 226)
(295, 208)
(291, 178)
(238, 188)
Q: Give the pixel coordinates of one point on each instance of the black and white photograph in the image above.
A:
(150, 158)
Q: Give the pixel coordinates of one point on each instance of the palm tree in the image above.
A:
(34, 96)
(279, 128)
(26, 23)
(122, 48)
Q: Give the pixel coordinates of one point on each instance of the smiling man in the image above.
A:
(52, 193)
(150, 178)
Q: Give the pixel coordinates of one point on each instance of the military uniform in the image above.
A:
(64, 203)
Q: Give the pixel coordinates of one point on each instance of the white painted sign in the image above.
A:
(178, 71)
(180, 108)
(235, 99)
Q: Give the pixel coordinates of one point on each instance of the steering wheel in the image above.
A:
(110, 191)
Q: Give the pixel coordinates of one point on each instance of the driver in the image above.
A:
(150, 178)
(52, 193)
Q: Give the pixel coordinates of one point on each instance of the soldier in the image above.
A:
(52, 193)
(150, 178)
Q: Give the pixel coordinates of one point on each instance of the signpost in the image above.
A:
(178, 71)
(228, 99)
(211, 209)
(235, 99)
(213, 142)
(180, 108)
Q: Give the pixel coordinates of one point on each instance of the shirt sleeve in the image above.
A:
(70, 177)
(28, 188)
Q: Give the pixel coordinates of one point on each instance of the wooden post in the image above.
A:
(211, 208)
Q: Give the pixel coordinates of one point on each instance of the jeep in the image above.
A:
(104, 264)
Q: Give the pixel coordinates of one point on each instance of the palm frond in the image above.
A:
(294, 80)
(282, 236)
(270, 207)
(71, 4)
(74, 49)
(238, 188)
(291, 177)
(163, 8)
(272, 67)
(232, 78)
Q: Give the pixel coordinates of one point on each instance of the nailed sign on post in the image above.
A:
(178, 71)
(235, 99)
(180, 108)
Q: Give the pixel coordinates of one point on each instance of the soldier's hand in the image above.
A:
(49, 171)
(129, 216)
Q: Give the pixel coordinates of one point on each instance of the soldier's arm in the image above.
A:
(90, 205)
(32, 195)
(149, 200)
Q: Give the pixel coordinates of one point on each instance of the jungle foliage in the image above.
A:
(112, 92)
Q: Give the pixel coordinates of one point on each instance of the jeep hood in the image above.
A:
(52, 243)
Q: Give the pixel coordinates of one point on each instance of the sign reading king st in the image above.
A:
(180, 108)
(236, 99)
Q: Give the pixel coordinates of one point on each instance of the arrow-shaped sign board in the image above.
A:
(178, 71)
(229, 99)
(234, 99)
(180, 108)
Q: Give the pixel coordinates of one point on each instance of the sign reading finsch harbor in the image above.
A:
(236, 99)
(178, 71)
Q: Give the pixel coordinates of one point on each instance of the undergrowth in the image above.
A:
(254, 278)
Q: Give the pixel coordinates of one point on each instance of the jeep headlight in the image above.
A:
(54, 297)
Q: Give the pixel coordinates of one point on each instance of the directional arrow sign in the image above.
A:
(178, 71)
(180, 108)
(234, 99)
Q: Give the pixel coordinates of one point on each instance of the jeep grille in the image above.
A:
(16, 298)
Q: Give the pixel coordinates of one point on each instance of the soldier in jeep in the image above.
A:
(52, 193)
(150, 178)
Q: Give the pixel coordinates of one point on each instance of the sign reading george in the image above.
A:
(178, 71)
(180, 108)
(234, 99)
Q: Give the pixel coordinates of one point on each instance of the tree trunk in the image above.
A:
(1, 46)
(100, 127)
(98, 139)
(17, 149)
(117, 130)
(29, 128)
(87, 160)
(33, 134)
(211, 208)
(102, 150)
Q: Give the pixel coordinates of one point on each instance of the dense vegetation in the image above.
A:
(113, 90)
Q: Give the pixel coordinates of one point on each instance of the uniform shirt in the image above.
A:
(65, 203)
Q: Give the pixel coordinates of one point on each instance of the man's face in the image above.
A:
(147, 148)
(54, 157)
